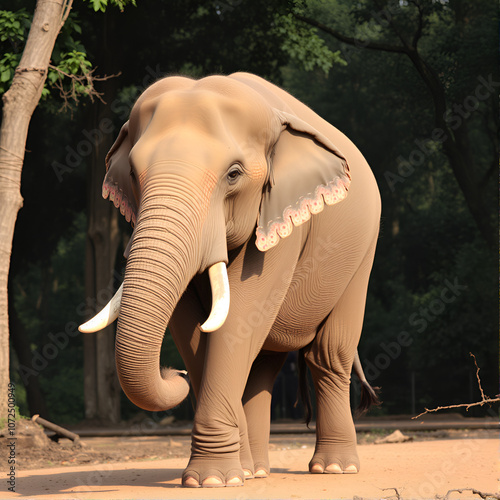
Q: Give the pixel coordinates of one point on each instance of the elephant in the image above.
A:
(255, 224)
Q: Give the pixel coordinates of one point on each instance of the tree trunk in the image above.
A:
(101, 386)
(458, 150)
(19, 102)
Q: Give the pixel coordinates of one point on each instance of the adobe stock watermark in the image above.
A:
(453, 118)
(420, 320)
(58, 342)
(75, 155)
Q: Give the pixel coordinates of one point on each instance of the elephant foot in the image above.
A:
(331, 463)
(258, 474)
(225, 474)
(261, 473)
(211, 482)
(332, 469)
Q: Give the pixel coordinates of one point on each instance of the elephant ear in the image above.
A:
(307, 172)
(118, 183)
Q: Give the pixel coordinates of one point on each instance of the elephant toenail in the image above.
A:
(261, 473)
(248, 473)
(212, 481)
(235, 481)
(334, 469)
(191, 482)
(316, 469)
(351, 469)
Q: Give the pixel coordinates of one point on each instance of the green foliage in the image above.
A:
(14, 28)
(70, 74)
(304, 45)
(8, 65)
(101, 5)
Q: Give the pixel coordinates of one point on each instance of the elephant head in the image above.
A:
(200, 168)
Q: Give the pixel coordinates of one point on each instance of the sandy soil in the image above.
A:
(151, 468)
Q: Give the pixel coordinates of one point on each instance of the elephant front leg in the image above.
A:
(192, 345)
(215, 455)
(257, 405)
(230, 352)
(216, 436)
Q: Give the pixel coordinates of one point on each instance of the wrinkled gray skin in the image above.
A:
(199, 166)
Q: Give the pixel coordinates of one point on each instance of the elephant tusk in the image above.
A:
(106, 316)
(220, 297)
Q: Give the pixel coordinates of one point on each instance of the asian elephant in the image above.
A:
(251, 210)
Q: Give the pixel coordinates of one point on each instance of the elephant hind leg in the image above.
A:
(330, 358)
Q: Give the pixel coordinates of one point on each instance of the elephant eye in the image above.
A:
(234, 173)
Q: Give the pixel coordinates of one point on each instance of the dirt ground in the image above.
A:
(150, 467)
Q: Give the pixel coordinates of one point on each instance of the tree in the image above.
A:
(402, 28)
(19, 102)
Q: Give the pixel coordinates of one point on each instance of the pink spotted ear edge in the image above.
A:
(330, 194)
(120, 200)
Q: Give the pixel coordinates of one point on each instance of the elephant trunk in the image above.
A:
(164, 257)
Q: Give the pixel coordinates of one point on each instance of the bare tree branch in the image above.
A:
(395, 29)
(420, 27)
(86, 80)
(66, 9)
(484, 399)
(366, 44)
(477, 376)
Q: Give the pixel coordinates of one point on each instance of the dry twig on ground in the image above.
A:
(474, 492)
(396, 493)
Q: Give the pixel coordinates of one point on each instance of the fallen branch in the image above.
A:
(484, 399)
(60, 431)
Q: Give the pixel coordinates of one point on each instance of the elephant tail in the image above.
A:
(369, 394)
(303, 393)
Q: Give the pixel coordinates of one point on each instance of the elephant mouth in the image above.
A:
(220, 304)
